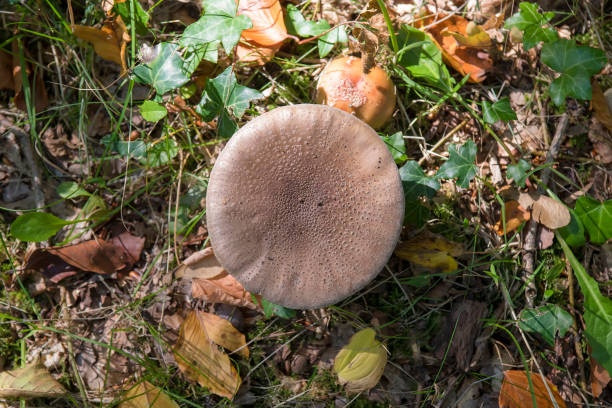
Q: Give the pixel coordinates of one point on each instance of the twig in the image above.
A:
(529, 247)
(443, 140)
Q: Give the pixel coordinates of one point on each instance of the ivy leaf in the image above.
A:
(298, 25)
(223, 95)
(420, 56)
(165, 72)
(500, 110)
(532, 23)
(597, 311)
(596, 218)
(270, 309)
(397, 147)
(416, 183)
(153, 111)
(460, 164)
(518, 172)
(196, 53)
(141, 17)
(546, 320)
(219, 23)
(415, 213)
(576, 63)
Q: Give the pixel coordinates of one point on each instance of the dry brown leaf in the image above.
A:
(550, 212)
(515, 391)
(31, 381)
(431, 251)
(464, 59)
(515, 216)
(6, 71)
(109, 42)
(600, 378)
(146, 395)
(222, 288)
(222, 332)
(201, 264)
(600, 105)
(202, 361)
(41, 99)
(261, 42)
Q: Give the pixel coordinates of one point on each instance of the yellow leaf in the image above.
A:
(31, 381)
(431, 251)
(146, 395)
(474, 36)
(202, 361)
(360, 364)
(222, 332)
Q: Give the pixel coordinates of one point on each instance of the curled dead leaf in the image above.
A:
(109, 42)
(202, 361)
(431, 251)
(516, 393)
(261, 42)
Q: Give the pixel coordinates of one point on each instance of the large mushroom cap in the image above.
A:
(304, 205)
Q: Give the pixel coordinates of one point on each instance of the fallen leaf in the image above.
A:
(600, 105)
(109, 42)
(31, 381)
(268, 27)
(360, 364)
(40, 97)
(202, 361)
(6, 71)
(515, 391)
(550, 212)
(220, 331)
(450, 34)
(600, 378)
(431, 251)
(211, 282)
(515, 216)
(146, 395)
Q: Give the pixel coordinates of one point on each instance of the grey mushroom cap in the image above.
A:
(304, 205)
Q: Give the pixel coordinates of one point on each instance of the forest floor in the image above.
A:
(113, 113)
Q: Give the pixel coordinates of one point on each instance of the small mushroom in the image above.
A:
(304, 205)
(368, 95)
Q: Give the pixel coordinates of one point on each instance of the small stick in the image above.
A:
(443, 140)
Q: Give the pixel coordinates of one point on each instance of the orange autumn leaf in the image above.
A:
(460, 43)
(515, 216)
(109, 42)
(260, 42)
(516, 393)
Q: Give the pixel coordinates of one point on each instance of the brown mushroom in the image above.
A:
(368, 95)
(304, 205)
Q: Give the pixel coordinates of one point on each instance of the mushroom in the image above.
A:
(345, 84)
(304, 205)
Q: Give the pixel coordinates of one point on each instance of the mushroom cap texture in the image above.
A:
(304, 205)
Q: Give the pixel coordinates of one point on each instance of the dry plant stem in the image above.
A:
(443, 140)
(529, 247)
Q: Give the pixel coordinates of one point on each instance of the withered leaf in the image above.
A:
(600, 105)
(201, 264)
(515, 216)
(431, 251)
(146, 395)
(515, 391)
(109, 41)
(202, 361)
(550, 212)
(260, 42)
(600, 378)
(31, 381)
(222, 332)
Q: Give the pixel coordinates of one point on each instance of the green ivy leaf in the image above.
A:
(573, 233)
(141, 17)
(460, 164)
(36, 226)
(597, 311)
(219, 23)
(576, 63)
(518, 172)
(165, 72)
(422, 58)
(415, 213)
(532, 23)
(136, 148)
(397, 147)
(500, 110)
(596, 218)
(70, 189)
(298, 25)
(222, 95)
(416, 184)
(153, 111)
(546, 320)
(270, 309)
